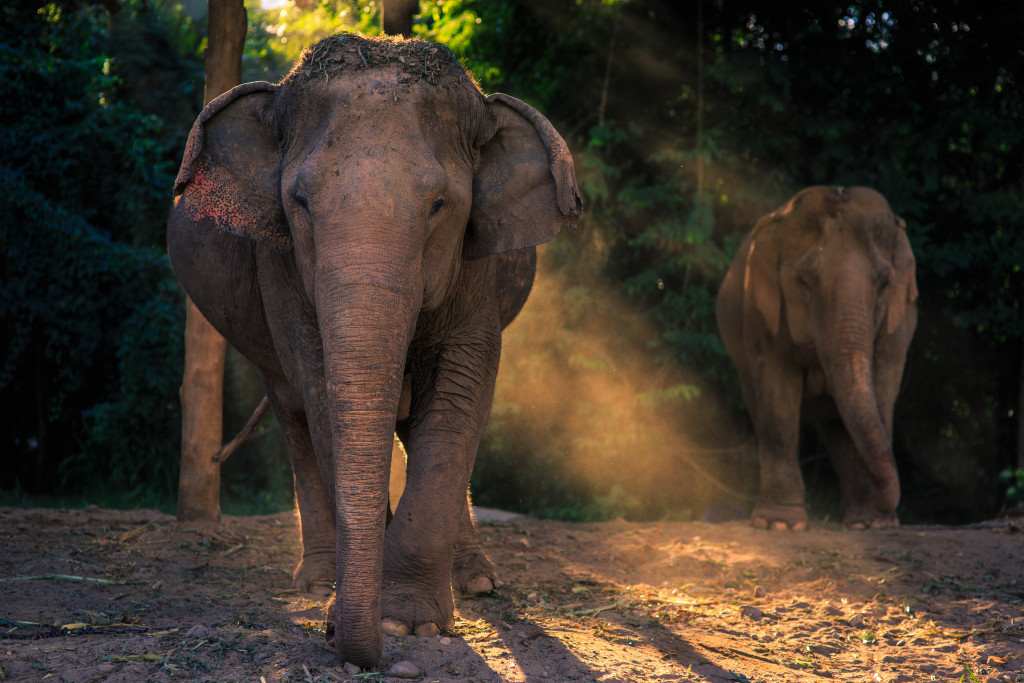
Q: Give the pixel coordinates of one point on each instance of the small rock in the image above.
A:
(759, 592)
(544, 673)
(532, 597)
(445, 641)
(752, 612)
(856, 621)
(106, 668)
(404, 670)
(197, 631)
(351, 669)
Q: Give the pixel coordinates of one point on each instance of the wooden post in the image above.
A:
(396, 17)
(202, 403)
(202, 386)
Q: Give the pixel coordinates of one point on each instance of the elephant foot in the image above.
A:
(408, 609)
(779, 516)
(473, 573)
(315, 574)
(869, 519)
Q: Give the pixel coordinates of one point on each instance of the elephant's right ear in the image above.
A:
(230, 176)
(762, 292)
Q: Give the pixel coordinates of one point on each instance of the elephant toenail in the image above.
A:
(392, 627)
(480, 585)
(427, 630)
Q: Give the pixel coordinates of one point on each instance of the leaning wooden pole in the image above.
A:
(202, 386)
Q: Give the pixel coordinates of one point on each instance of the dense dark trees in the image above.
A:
(687, 120)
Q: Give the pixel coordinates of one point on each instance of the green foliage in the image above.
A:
(276, 37)
(67, 131)
(1013, 480)
(90, 317)
(91, 329)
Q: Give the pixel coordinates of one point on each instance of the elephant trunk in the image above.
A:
(367, 313)
(848, 360)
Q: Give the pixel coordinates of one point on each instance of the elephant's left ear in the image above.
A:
(905, 290)
(524, 189)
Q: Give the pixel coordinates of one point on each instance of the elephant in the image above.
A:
(362, 231)
(817, 311)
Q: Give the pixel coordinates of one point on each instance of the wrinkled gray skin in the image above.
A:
(817, 311)
(362, 232)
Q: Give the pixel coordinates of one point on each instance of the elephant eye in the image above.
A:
(884, 279)
(436, 206)
(300, 199)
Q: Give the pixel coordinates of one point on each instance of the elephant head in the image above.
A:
(376, 167)
(832, 272)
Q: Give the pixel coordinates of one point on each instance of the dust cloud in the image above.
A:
(591, 411)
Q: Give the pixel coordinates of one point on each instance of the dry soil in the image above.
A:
(142, 597)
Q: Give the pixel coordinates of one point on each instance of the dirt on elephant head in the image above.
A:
(346, 52)
(103, 595)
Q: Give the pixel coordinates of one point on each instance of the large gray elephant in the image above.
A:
(817, 311)
(361, 231)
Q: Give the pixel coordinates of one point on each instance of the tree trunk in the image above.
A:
(1020, 414)
(396, 17)
(202, 387)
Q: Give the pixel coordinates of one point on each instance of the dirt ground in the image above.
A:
(152, 599)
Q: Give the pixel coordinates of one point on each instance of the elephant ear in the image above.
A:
(230, 175)
(904, 291)
(524, 189)
(762, 291)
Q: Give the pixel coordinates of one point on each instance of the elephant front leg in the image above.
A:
(444, 431)
(473, 573)
(419, 545)
(781, 503)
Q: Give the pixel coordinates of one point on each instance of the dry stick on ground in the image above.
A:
(242, 436)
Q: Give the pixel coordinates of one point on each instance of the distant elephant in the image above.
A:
(817, 311)
(362, 231)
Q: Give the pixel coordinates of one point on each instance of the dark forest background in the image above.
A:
(687, 120)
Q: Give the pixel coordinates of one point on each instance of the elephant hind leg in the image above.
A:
(472, 571)
(316, 569)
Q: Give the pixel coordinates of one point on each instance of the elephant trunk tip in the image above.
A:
(364, 652)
